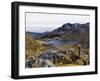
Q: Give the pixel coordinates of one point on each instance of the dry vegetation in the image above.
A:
(77, 55)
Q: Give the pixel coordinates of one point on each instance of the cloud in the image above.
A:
(39, 22)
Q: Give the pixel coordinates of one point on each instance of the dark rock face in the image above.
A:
(72, 28)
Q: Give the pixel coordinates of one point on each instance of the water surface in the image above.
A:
(56, 42)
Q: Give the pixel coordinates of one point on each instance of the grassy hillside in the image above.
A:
(82, 38)
(34, 47)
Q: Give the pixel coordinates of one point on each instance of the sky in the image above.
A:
(43, 22)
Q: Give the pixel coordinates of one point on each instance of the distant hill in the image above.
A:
(36, 35)
(71, 28)
(33, 34)
(68, 29)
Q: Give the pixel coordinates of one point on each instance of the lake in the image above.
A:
(56, 42)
